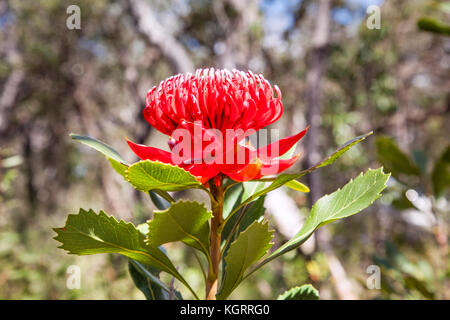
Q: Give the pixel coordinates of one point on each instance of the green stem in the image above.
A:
(215, 240)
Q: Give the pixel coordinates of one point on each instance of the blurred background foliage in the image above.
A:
(393, 80)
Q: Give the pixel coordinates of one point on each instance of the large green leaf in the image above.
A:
(305, 292)
(285, 178)
(252, 244)
(393, 159)
(89, 233)
(184, 221)
(149, 175)
(245, 217)
(440, 176)
(355, 196)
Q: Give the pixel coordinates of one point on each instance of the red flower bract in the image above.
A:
(219, 99)
(224, 101)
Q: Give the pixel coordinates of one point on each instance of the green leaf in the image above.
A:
(296, 185)
(355, 196)
(305, 292)
(89, 233)
(232, 198)
(393, 159)
(252, 187)
(248, 248)
(432, 25)
(254, 211)
(143, 228)
(148, 175)
(339, 152)
(102, 147)
(440, 176)
(160, 202)
(119, 167)
(184, 221)
(285, 178)
(116, 160)
(146, 280)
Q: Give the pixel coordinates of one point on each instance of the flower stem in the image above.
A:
(215, 241)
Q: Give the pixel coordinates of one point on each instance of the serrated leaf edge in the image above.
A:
(191, 184)
(288, 246)
(201, 204)
(109, 217)
(379, 170)
(298, 287)
(269, 245)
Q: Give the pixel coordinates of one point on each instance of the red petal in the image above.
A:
(235, 159)
(276, 166)
(149, 153)
(249, 172)
(280, 147)
(203, 171)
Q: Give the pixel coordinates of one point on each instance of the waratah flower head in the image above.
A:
(220, 99)
(219, 108)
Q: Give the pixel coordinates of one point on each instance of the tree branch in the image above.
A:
(151, 29)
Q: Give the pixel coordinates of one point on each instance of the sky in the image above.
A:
(279, 15)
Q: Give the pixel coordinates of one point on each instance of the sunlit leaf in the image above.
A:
(285, 178)
(296, 185)
(252, 244)
(119, 167)
(305, 292)
(184, 221)
(355, 196)
(232, 198)
(149, 175)
(89, 233)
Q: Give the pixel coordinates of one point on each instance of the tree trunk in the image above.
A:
(318, 61)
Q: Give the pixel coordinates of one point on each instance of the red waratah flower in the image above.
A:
(223, 107)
